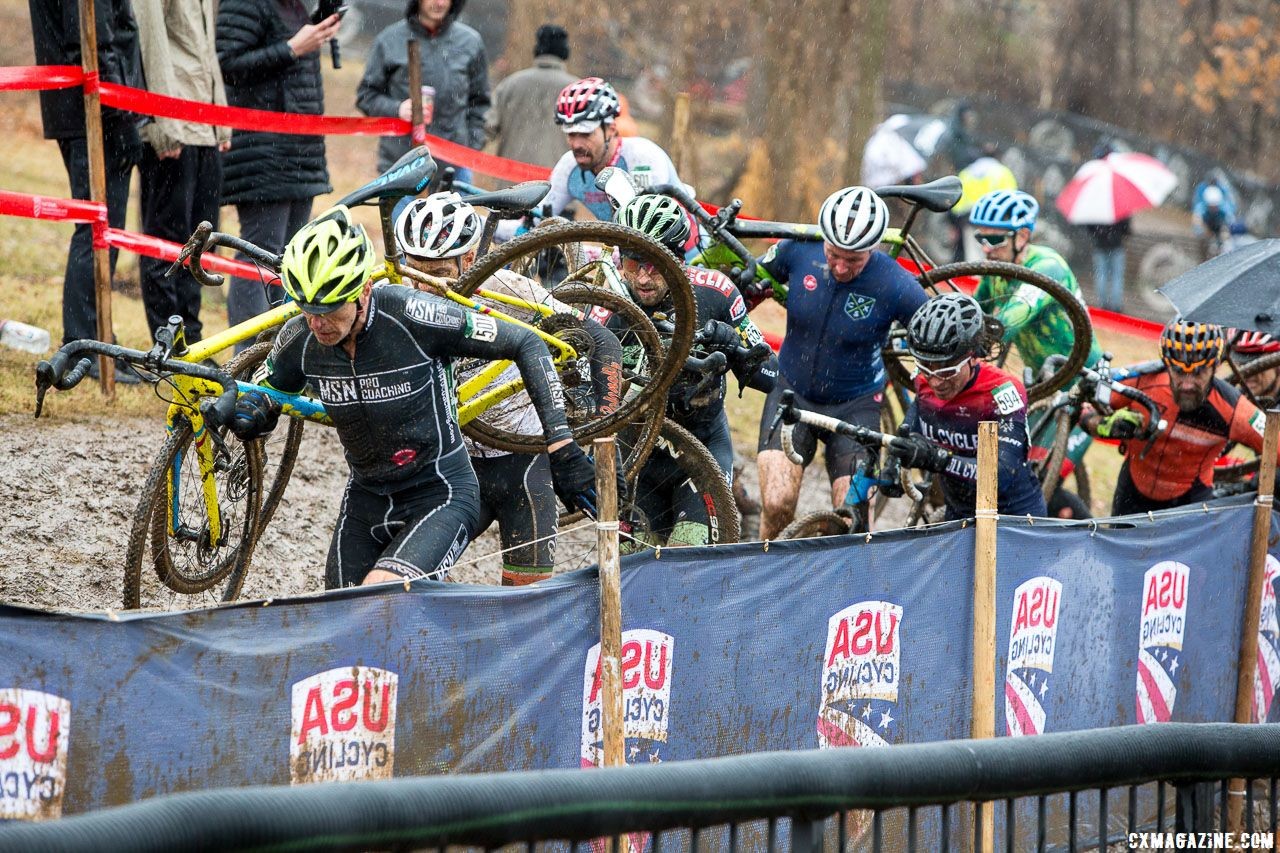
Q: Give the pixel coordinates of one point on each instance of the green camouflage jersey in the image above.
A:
(1034, 322)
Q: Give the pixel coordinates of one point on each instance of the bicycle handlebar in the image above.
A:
(791, 416)
(54, 374)
(201, 239)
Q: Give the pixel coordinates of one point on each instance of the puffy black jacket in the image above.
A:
(261, 73)
(55, 31)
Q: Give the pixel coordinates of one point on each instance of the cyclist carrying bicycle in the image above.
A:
(380, 359)
(843, 296)
(955, 391)
(725, 327)
(587, 112)
(1034, 323)
(439, 235)
(1203, 413)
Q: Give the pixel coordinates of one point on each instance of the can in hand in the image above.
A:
(428, 104)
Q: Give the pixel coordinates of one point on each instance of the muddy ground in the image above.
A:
(69, 491)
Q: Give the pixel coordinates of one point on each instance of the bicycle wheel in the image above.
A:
(642, 352)
(189, 570)
(608, 236)
(1234, 473)
(1076, 312)
(549, 267)
(1050, 469)
(815, 524)
(577, 548)
(279, 452)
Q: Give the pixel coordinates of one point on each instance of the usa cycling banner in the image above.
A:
(811, 644)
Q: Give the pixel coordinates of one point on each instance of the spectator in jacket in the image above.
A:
(269, 52)
(55, 29)
(524, 104)
(1108, 262)
(453, 63)
(181, 166)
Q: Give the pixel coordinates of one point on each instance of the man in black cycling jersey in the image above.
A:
(842, 298)
(439, 235)
(725, 327)
(955, 391)
(381, 361)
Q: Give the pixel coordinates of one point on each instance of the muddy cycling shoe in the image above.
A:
(125, 375)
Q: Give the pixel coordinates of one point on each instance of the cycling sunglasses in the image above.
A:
(635, 262)
(944, 372)
(993, 239)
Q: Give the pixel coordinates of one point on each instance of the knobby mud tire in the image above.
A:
(1235, 473)
(611, 235)
(1076, 312)
(151, 517)
(816, 524)
(641, 408)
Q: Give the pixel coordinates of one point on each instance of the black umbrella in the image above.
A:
(1240, 289)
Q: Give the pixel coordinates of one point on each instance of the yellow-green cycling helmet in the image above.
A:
(327, 262)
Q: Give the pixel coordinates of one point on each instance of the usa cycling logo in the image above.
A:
(860, 676)
(646, 698)
(1164, 621)
(344, 726)
(1267, 678)
(858, 307)
(1033, 633)
(35, 728)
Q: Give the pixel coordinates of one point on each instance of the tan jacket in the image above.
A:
(179, 60)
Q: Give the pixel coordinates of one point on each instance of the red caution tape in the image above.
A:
(488, 164)
(241, 118)
(154, 247)
(36, 77)
(55, 209)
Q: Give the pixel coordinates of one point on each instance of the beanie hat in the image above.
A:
(551, 39)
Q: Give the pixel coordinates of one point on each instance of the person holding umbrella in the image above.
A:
(1103, 196)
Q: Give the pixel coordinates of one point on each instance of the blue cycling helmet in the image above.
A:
(1007, 209)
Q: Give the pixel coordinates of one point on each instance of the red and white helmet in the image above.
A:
(1252, 343)
(585, 105)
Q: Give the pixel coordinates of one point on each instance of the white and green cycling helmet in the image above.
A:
(659, 217)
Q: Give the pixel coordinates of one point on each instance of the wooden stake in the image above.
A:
(1246, 670)
(415, 92)
(610, 601)
(680, 137)
(984, 606)
(97, 187)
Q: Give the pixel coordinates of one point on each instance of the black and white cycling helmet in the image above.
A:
(585, 104)
(438, 226)
(945, 328)
(853, 219)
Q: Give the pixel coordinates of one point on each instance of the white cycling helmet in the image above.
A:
(853, 219)
(438, 226)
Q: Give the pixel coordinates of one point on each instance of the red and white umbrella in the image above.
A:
(1114, 188)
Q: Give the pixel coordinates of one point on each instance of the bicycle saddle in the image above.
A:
(408, 176)
(515, 199)
(939, 196)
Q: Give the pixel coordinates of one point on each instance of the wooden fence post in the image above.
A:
(1247, 668)
(610, 601)
(416, 110)
(984, 607)
(97, 187)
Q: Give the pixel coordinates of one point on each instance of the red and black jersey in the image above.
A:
(991, 395)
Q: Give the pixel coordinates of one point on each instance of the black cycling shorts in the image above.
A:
(413, 533)
(842, 452)
(1128, 500)
(516, 491)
